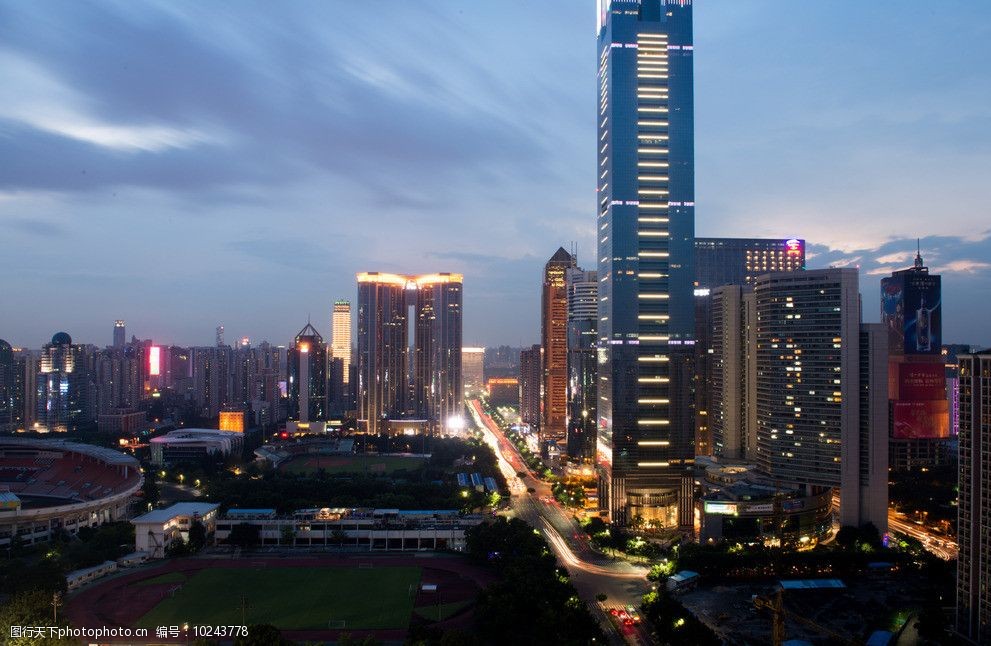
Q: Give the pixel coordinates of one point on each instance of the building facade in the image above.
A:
(919, 411)
(720, 262)
(473, 369)
(821, 391)
(307, 358)
(646, 225)
(732, 413)
(399, 382)
(340, 335)
(554, 341)
(974, 511)
(583, 311)
(64, 400)
(530, 381)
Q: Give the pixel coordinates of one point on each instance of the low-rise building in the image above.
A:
(355, 529)
(193, 444)
(157, 530)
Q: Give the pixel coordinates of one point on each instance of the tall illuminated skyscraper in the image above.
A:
(385, 390)
(307, 376)
(646, 227)
(120, 334)
(340, 340)
(554, 340)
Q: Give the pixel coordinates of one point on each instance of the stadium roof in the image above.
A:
(178, 509)
(107, 455)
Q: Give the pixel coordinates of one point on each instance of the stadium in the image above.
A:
(49, 486)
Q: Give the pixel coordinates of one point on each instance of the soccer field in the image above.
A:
(293, 598)
(373, 464)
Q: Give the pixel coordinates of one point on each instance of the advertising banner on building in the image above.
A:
(921, 420)
(922, 314)
(921, 382)
(893, 312)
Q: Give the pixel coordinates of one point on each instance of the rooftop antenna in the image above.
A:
(918, 254)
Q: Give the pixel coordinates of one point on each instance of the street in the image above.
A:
(591, 573)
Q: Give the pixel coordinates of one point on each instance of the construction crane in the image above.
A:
(776, 605)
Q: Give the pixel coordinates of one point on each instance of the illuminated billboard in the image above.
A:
(154, 361)
(728, 508)
(921, 419)
(911, 313)
(922, 314)
(794, 247)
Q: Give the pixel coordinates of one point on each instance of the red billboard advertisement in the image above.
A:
(921, 419)
(921, 381)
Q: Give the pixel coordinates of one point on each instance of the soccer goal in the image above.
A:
(365, 566)
(337, 624)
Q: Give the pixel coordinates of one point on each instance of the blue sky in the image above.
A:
(184, 164)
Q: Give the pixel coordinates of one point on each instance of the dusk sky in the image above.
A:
(185, 164)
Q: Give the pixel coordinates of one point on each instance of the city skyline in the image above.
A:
(222, 196)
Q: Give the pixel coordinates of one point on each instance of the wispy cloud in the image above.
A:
(962, 267)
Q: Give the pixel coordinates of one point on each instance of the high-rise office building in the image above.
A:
(646, 225)
(340, 335)
(554, 340)
(974, 504)
(64, 386)
(120, 334)
(395, 382)
(583, 314)
(11, 389)
(530, 381)
(739, 261)
(438, 387)
(307, 359)
(473, 369)
(919, 409)
(732, 415)
(728, 261)
(821, 392)
(210, 369)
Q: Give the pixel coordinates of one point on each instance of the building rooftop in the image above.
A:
(178, 509)
(812, 584)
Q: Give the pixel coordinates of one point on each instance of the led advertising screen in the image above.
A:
(921, 419)
(922, 315)
(893, 312)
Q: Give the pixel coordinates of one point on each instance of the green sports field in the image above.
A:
(334, 464)
(293, 598)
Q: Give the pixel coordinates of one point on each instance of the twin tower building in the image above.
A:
(406, 375)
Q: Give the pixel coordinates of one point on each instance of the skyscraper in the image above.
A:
(385, 389)
(63, 386)
(340, 336)
(473, 369)
(554, 340)
(307, 377)
(530, 383)
(732, 414)
(120, 335)
(974, 510)
(920, 415)
(646, 225)
(739, 261)
(438, 388)
(821, 391)
(11, 389)
(728, 261)
(583, 314)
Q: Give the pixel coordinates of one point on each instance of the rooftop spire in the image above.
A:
(918, 254)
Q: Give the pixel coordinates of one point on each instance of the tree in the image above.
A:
(288, 535)
(197, 535)
(245, 536)
(30, 608)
